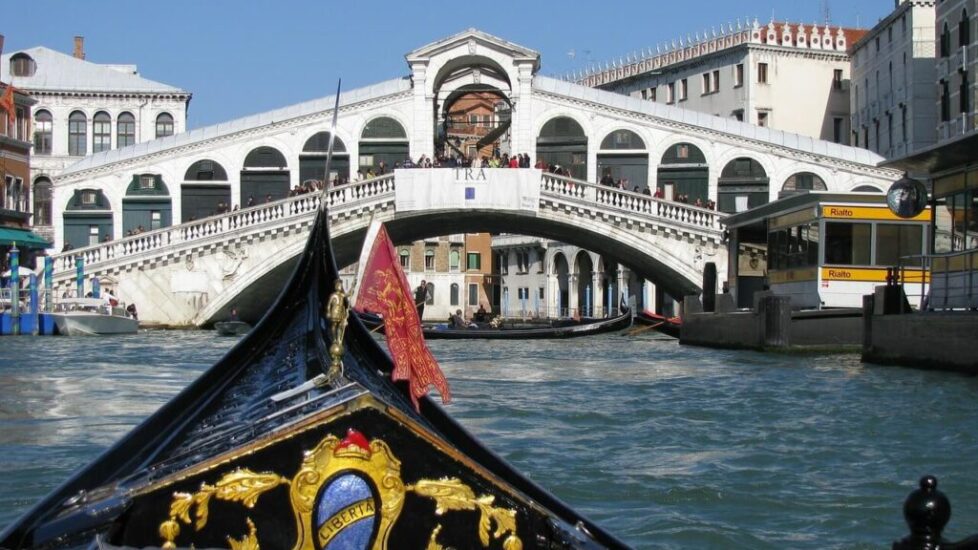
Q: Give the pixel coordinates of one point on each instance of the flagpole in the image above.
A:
(329, 149)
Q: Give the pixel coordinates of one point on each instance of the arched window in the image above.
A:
(77, 134)
(265, 157)
(453, 294)
(164, 125)
(964, 29)
(125, 130)
(430, 299)
(804, 181)
(312, 161)
(429, 260)
(383, 128)
(42, 201)
(453, 260)
(622, 139)
(43, 128)
(743, 184)
(866, 189)
(205, 170)
(405, 257)
(22, 64)
(101, 132)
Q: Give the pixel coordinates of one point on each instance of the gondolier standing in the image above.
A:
(420, 297)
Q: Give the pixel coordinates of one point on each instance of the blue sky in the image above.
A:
(240, 57)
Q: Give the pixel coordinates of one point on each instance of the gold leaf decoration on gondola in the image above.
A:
(241, 485)
(450, 494)
(247, 542)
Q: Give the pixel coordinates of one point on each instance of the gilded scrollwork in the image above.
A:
(354, 459)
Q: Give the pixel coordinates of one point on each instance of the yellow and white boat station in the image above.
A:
(824, 250)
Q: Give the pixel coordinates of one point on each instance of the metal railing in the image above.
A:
(949, 280)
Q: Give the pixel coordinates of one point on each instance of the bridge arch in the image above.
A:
(265, 174)
(684, 171)
(743, 184)
(443, 67)
(147, 205)
(204, 187)
(88, 217)
(623, 153)
(312, 159)
(562, 140)
(866, 188)
(382, 138)
(787, 170)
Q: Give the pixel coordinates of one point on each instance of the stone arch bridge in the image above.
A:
(189, 274)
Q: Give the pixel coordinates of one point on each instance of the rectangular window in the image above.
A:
(453, 294)
(739, 115)
(903, 124)
(762, 118)
(893, 241)
(837, 79)
(652, 94)
(762, 73)
(147, 182)
(93, 235)
(739, 75)
(671, 92)
(837, 129)
(706, 84)
(405, 259)
(645, 94)
(716, 81)
(540, 293)
(683, 89)
(847, 243)
(429, 260)
(155, 220)
(473, 294)
(473, 260)
(88, 197)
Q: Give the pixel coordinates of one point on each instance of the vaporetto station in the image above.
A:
(190, 258)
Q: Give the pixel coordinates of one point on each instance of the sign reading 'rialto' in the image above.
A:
(467, 189)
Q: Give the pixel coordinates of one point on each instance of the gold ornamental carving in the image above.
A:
(331, 459)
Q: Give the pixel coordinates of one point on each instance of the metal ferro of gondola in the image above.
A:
(297, 438)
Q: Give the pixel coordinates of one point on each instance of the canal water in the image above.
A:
(665, 446)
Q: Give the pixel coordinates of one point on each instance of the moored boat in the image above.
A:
(92, 317)
(554, 328)
(666, 325)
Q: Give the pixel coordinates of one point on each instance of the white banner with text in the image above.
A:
(467, 188)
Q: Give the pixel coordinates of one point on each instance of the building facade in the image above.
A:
(786, 76)
(15, 191)
(84, 108)
(892, 96)
(956, 64)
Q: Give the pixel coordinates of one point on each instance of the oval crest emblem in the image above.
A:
(345, 513)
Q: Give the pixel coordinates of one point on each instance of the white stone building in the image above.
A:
(892, 96)
(85, 108)
(787, 76)
(956, 69)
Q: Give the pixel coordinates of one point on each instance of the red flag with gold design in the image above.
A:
(384, 289)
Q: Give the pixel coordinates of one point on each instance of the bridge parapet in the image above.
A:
(221, 227)
(645, 206)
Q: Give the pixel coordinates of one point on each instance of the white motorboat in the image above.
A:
(92, 317)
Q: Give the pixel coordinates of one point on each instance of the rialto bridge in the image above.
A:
(471, 95)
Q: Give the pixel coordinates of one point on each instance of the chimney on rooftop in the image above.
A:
(79, 47)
